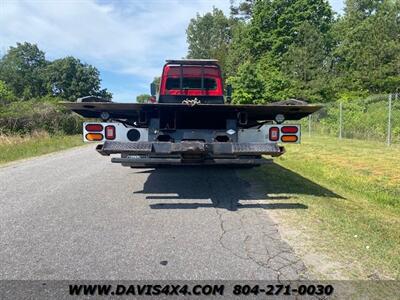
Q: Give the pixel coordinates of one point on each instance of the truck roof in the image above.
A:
(192, 61)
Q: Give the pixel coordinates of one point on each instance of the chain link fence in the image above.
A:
(374, 118)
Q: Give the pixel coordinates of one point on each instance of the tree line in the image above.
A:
(277, 49)
(25, 73)
(31, 88)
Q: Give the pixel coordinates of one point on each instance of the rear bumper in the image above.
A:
(147, 154)
(153, 161)
(189, 147)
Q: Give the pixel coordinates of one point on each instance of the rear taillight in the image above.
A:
(289, 129)
(110, 132)
(94, 127)
(289, 138)
(94, 136)
(274, 134)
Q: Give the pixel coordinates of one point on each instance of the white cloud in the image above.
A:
(128, 36)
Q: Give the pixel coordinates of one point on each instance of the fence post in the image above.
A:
(340, 119)
(389, 129)
(309, 125)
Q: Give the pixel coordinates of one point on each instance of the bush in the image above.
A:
(362, 118)
(41, 114)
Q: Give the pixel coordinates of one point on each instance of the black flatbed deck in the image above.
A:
(132, 110)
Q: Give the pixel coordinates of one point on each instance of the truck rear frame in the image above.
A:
(146, 147)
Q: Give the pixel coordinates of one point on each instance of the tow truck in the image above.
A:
(191, 122)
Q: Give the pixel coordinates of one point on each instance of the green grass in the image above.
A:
(352, 193)
(15, 147)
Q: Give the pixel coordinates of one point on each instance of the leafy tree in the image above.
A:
(243, 11)
(22, 69)
(277, 85)
(248, 86)
(307, 64)
(238, 52)
(143, 98)
(29, 75)
(305, 57)
(70, 79)
(208, 36)
(157, 82)
(368, 53)
(358, 10)
(287, 44)
(6, 95)
(260, 82)
(275, 23)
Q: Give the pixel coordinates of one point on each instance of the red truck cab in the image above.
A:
(191, 79)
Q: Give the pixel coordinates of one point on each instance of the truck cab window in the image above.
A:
(190, 83)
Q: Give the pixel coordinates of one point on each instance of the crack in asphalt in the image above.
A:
(222, 236)
(276, 255)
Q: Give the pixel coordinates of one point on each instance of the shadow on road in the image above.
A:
(227, 189)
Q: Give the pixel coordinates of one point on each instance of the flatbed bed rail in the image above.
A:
(133, 110)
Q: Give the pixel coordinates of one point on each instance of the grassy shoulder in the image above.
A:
(349, 195)
(17, 147)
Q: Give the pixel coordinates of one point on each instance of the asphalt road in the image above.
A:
(75, 215)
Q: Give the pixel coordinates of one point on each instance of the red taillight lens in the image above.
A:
(94, 127)
(274, 134)
(289, 129)
(110, 132)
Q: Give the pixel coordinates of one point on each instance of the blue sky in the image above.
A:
(128, 41)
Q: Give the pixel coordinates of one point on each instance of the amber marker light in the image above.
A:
(94, 136)
(289, 138)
